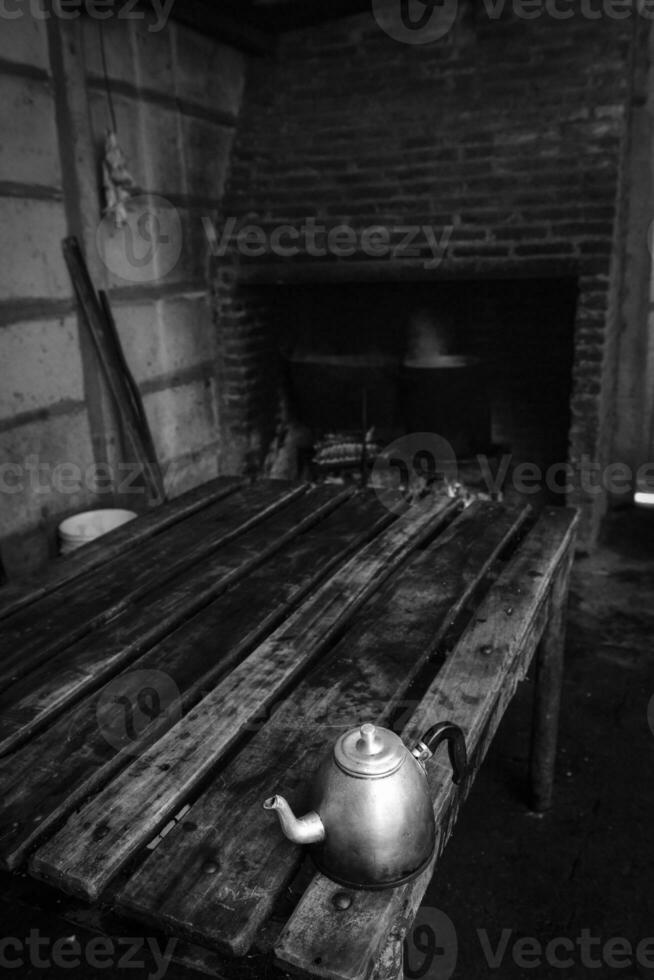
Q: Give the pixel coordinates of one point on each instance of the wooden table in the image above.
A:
(160, 683)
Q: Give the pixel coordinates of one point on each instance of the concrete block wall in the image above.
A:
(177, 96)
(43, 419)
(510, 132)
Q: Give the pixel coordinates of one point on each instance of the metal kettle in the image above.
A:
(372, 823)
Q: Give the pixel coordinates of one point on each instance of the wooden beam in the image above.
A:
(120, 86)
(285, 15)
(83, 212)
(291, 272)
(231, 28)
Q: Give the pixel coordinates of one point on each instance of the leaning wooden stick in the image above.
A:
(115, 371)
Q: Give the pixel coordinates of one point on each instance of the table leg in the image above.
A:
(549, 679)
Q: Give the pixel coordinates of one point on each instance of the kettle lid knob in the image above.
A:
(369, 751)
(369, 743)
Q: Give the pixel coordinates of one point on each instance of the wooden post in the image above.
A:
(80, 167)
(549, 680)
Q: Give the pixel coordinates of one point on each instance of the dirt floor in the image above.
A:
(582, 874)
(565, 895)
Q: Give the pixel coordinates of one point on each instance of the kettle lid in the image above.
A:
(369, 751)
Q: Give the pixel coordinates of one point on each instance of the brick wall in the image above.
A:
(509, 132)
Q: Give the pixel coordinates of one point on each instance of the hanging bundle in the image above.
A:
(117, 180)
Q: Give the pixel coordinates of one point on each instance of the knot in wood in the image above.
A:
(341, 901)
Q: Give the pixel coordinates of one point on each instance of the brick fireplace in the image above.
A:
(506, 138)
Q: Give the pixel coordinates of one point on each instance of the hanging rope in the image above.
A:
(110, 101)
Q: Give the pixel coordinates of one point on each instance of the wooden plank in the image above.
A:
(33, 635)
(60, 617)
(46, 691)
(365, 677)
(473, 690)
(98, 840)
(55, 771)
(23, 898)
(28, 705)
(126, 538)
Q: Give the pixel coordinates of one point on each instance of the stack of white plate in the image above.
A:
(82, 528)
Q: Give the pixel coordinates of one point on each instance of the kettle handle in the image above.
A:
(448, 732)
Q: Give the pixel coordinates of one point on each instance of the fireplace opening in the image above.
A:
(485, 363)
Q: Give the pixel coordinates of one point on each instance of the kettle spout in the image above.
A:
(308, 829)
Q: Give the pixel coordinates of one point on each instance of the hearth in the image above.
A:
(384, 359)
(507, 142)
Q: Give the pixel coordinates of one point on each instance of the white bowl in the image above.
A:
(82, 528)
